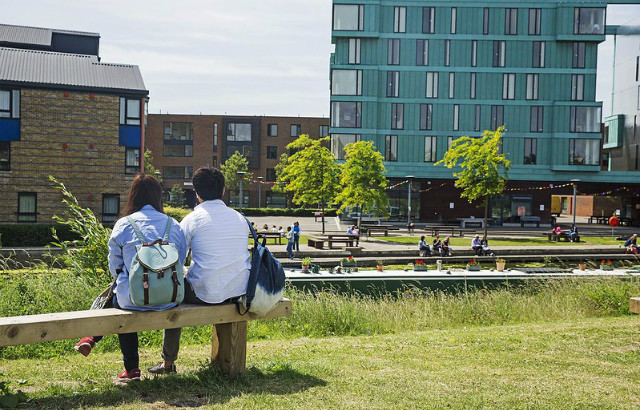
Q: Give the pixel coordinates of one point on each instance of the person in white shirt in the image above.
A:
(220, 260)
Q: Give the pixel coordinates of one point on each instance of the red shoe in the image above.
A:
(85, 345)
(129, 376)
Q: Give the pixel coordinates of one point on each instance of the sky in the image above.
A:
(241, 57)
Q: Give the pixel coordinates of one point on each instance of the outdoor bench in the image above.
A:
(530, 219)
(564, 236)
(315, 243)
(634, 305)
(229, 338)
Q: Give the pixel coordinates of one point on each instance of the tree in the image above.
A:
(362, 179)
(484, 168)
(311, 175)
(176, 197)
(149, 169)
(236, 163)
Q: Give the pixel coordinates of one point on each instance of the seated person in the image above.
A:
(281, 231)
(423, 247)
(274, 229)
(265, 228)
(476, 245)
(485, 247)
(631, 244)
(446, 249)
(437, 244)
(556, 232)
(573, 232)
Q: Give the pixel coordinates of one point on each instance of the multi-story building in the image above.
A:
(66, 114)
(181, 144)
(413, 75)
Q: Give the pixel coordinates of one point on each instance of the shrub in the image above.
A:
(176, 213)
(21, 235)
(283, 211)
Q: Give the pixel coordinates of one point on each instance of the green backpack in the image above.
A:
(155, 274)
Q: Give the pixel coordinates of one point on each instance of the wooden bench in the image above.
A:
(530, 219)
(346, 241)
(229, 338)
(564, 236)
(634, 305)
(315, 243)
(371, 229)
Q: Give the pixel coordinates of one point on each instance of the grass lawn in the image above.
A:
(541, 241)
(584, 363)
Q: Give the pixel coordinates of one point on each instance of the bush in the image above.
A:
(176, 213)
(22, 235)
(283, 211)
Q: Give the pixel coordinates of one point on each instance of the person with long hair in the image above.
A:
(144, 206)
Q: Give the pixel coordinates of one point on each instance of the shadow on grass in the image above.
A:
(194, 389)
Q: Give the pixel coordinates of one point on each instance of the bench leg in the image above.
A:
(229, 347)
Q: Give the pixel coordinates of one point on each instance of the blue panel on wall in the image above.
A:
(9, 130)
(130, 135)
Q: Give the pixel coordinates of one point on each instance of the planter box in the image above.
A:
(420, 268)
(473, 268)
(348, 264)
(606, 267)
(500, 266)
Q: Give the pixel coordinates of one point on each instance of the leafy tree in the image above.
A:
(311, 175)
(149, 169)
(484, 168)
(362, 179)
(176, 197)
(236, 163)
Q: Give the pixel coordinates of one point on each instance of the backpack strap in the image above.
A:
(136, 229)
(167, 230)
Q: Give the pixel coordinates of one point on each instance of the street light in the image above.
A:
(260, 192)
(410, 178)
(241, 175)
(575, 192)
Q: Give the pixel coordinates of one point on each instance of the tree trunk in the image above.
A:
(359, 216)
(322, 217)
(486, 212)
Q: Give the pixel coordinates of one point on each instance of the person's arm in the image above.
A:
(186, 227)
(116, 261)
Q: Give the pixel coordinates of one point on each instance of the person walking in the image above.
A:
(296, 233)
(290, 242)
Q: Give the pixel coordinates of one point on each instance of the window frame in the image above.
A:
(124, 112)
(426, 116)
(322, 128)
(397, 116)
(532, 145)
(456, 117)
(485, 20)
(358, 114)
(391, 148)
(428, 22)
(393, 51)
(577, 87)
(106, 217)
(478, 117)
(508, 86)
(400, 19)
(433, 92)
(25, 217)
(393, 84)
(432, 143)
(454, 20)
(270, 130)
(573, 118)
(131, 169)
(452, 85)
(538, 54)
(536, 118)
(577, 16)
(447, 53)
(360, 17)
(355, 51)
(510, 21)
(535, 16)
(14, 110)
(499, 53)
(422, 52)
(533, 87)
(579, 54)
(497, 116)
(6, 168)
(572, 153)
(298, 132)
(272, 152)
(473, 86)
(474, 53)
(358, 85)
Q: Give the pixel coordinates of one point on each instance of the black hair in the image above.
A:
(208, 183)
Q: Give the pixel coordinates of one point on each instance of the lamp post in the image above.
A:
(241, 176)
(410, 178)
(260, 192)
(575, 193)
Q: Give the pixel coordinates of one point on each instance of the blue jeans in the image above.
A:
(290, 249)
(296, 238)
(128, 345)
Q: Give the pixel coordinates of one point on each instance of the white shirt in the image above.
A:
(220, 261)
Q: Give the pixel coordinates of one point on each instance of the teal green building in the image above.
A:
(412, 76)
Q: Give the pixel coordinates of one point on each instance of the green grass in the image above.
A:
(542, 241)
(578, 364)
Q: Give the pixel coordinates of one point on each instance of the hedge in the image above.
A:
(18, 235)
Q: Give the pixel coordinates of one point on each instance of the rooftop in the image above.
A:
(10, 34)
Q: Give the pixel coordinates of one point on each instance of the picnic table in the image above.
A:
(471, 221)
(600, 219)
(435, 230)
(271, 235)
(347, 239)
(371, 229)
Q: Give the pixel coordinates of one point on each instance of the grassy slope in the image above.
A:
(588, 363)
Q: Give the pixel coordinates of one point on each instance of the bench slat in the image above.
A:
(18, 330)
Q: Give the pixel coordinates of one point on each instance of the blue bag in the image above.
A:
(266, 280)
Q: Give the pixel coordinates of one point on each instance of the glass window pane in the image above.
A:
(344, 82)
(338, 142)
(5, 103)
(16, 104)
(346, 17)
(345, 114)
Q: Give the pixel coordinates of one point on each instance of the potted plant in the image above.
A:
(606, 265)
(315, 268)
(473, 266)
(500, 264)
(306, 262)
(419, 265)
(582, 265)
(348, 262)
(379, 265)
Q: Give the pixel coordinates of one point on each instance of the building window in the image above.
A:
(449, 142)
(397, 116)
(422, 52)
(499, 53)
(399, 19)
(271, 174)
(472, 84)
(323, 131)
(578, 55)
(584, 151)
(454, 20)
(272, 130)
(430, 154)
(588, 21)
(577, 87)
(536, 119)
(530, 151)
(238, 132)
(178, 139)
(585, 119)
(339, 141)
(485, 21)
(129, 111)
(346, 114)
(177, 172)
(447, 53)
(497, 116)
(354, 51)
(214, 162)
(393, 51)
(426, 116)
(346, 82)
(535, 22)
(393, 81)
(295, 130)
(532, 86)
(27, 206)
(348, 17)
(428, 20)
(432, 85)
(452, 84)
(511, 21)
(477, 118)
(5, 156)
(9, 103)
(272, 152)
(391, 148)
(637, 67)
(508, 86)
(132, 161)
(538, 54)
(456, 117)
(215, 136)
(110, 207)
(474, 53)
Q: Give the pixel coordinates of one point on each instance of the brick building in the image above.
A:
(181, 144)
(66, 114)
